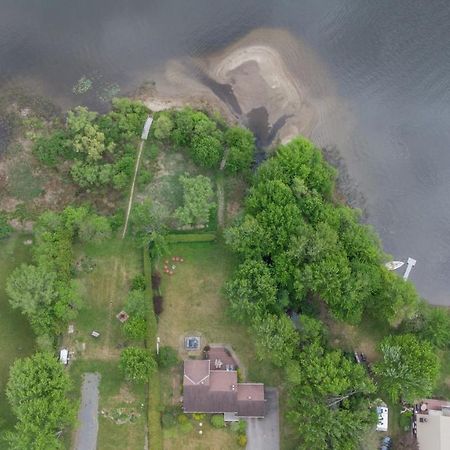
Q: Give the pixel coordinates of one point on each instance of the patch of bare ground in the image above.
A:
(124, 396)
(235, 190)
(350, 338)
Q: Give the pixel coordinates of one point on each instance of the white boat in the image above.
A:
(394, 265)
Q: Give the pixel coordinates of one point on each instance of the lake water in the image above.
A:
(390, 61)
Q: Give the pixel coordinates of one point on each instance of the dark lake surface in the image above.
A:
(390, 61)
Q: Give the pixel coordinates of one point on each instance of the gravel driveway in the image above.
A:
(86, 438)
(264, 434)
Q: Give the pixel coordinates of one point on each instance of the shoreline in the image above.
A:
(267, 68)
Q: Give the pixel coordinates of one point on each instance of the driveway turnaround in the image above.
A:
(264, 434)
(86, 438)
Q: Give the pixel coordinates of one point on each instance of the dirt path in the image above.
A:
(221, 193)
(130, 201)
(220, 203)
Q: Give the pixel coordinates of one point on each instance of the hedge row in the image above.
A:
(155, 437)
(191, 237)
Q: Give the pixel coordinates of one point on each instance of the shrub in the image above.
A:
(182, 419)
(239, 427)
(94, 229)
(158, 304)
(163, 127)
(242, 440)
(137, 364)
(5, 227)
(186, 427)
(198, 416)
(167, 357)
(117, 220)
(135, 328)
(241, 148)
(217, 421)
(136, 304)
(138, 283)
(206, 151)
(168, 420)
(48, 150)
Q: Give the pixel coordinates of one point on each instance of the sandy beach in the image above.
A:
(266, 71)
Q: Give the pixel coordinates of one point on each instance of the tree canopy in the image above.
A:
(37, 392)
(408, 369)
(313, 246)
(241, 149)
(197, 200)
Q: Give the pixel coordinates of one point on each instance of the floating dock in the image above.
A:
(411, 263)
(147, 125)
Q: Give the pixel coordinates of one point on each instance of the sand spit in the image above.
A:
(269, 70)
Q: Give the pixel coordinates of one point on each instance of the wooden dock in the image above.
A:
(411, 263)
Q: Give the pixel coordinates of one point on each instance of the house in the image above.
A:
(211, 386)
(432, 424)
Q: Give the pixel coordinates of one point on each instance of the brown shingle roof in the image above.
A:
(221, 380)
(202, 399)
(223, 358)
(250, 400)
(218, 391)
(196, 371)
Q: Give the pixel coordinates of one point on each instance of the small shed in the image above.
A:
(64, 356)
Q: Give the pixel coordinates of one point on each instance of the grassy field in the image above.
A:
(104, 285)
(104, 290)
(116, 399)
(194, 304)
(16, 337)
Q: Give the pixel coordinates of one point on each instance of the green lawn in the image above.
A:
(104, 288)
(104, 291)
(116, 397)
(16, 337)
(193, 303)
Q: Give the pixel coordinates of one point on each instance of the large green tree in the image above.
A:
(241, 148)
(163, 127)
(408, 369)
(37, 391)
(197, 200)
(251, 291)
(329, 394)
(87, 138)
(34, 291)
(275, 338)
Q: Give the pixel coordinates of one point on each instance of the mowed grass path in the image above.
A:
(104, 291)
(16, 337)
